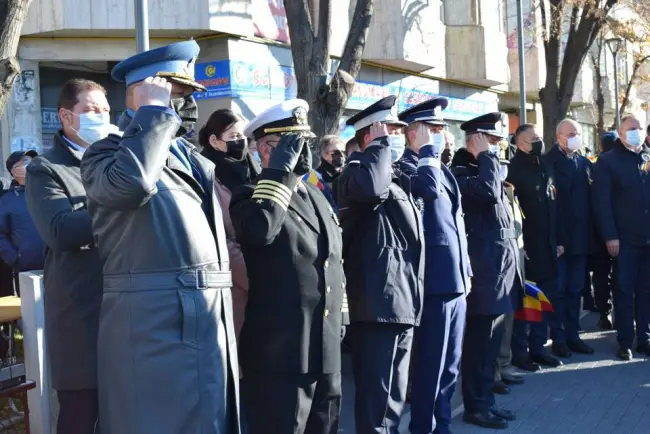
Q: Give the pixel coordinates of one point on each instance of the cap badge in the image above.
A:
(437, 111)
(393, 112)
(189, 68)
(300, 115)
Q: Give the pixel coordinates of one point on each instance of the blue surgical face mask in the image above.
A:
(438, 143)
(397, 146)
(256, 157)
(494, 149)
(633, 138)
(94, 127)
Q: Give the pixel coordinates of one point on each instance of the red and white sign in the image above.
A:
(270, 20)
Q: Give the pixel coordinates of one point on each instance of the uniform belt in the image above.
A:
(190, 279)
(498, 234)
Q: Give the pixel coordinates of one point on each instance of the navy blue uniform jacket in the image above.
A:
(573, 178)
(447, 269)
(622, 196)
(382, 239)
(490, 233)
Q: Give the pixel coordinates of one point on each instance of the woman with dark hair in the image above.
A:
(224, 143)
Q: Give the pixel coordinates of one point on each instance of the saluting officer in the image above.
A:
(291, 339)
(384, 264)
(493, 252)
(439, 337)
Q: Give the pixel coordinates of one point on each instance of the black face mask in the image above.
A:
(236, 149)
(188, 111)
(304, 161)
(338, 160)
(445, 157)
(537, 148)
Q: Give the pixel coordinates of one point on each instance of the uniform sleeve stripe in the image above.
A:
(271, 197)
(274, 185)
(431, 162)
(272, 192)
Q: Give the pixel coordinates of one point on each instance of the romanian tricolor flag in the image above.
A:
(535, 304)
(313, 178)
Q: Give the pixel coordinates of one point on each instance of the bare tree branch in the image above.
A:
(631, 82)
(12, 16)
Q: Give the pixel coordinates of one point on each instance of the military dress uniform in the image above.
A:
(439, 338)
(384, 265)
(167, 355)
(290, 344)
(493, 251)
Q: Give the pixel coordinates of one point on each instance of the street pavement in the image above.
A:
(590, 394)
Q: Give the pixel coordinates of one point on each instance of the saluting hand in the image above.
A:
(153, 91)
(422, 137)
(285, 155)
(479, 143)
(377, 131)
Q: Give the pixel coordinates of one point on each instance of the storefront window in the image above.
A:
(454, 128)
(589, 136)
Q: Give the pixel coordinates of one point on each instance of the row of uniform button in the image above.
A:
(327, 263)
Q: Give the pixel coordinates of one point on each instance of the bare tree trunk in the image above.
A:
(600, 95)
(311, 59)
(630, 84)
(12, 16)
(584, 27)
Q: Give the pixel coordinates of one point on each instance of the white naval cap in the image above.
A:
(286, 117)
(383, 111)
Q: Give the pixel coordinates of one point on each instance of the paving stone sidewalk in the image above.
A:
(596, 394)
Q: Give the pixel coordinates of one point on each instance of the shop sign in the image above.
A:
(50, 120)
(215, 76)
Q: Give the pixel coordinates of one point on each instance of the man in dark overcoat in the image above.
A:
(72, 275)
(494, 256)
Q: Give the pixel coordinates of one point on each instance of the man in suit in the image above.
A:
(493, 251)
(73, 273)
(166, 349)
(384, 265)
(573, 177)
(289, 234)
(439, 338)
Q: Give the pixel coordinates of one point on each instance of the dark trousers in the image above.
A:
(566, 304)
(481, 346)
(531, 337)
(291, 403)
(601, 266)
(440, 341)
(632, 295)
(380, 364)
(78, 412)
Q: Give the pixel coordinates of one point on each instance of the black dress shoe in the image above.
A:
(624, 353)
(500, 388)
(485, 419)
(561, 350)
(546, 360)
(580, 347)
(525, 364)
(503, 413)
(510, 378)
(641, 349)
(605, 323)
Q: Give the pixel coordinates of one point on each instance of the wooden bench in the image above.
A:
(20, 392)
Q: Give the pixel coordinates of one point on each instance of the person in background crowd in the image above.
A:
(536, 193)
(622, 205)
(160, 235)
(224, 143)
(646, 142)
(384, 264)
(332, 159)
(505, 373)
(351, 146)
(600, 263)
(439, 338)
(573, 177)
(494, 258)
(73, 271)
(252, 149)
(21, 245)
(450, 148)
(291, 340)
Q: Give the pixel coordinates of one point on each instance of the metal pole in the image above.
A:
(522, 64)
(141, 26)
(616, 91)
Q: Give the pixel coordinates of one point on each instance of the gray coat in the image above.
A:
(167, 350)
(72, 276)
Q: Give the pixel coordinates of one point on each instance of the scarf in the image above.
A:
(230, 172)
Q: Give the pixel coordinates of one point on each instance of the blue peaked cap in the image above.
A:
(429, 111)
(174, 62)
(492, 124)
